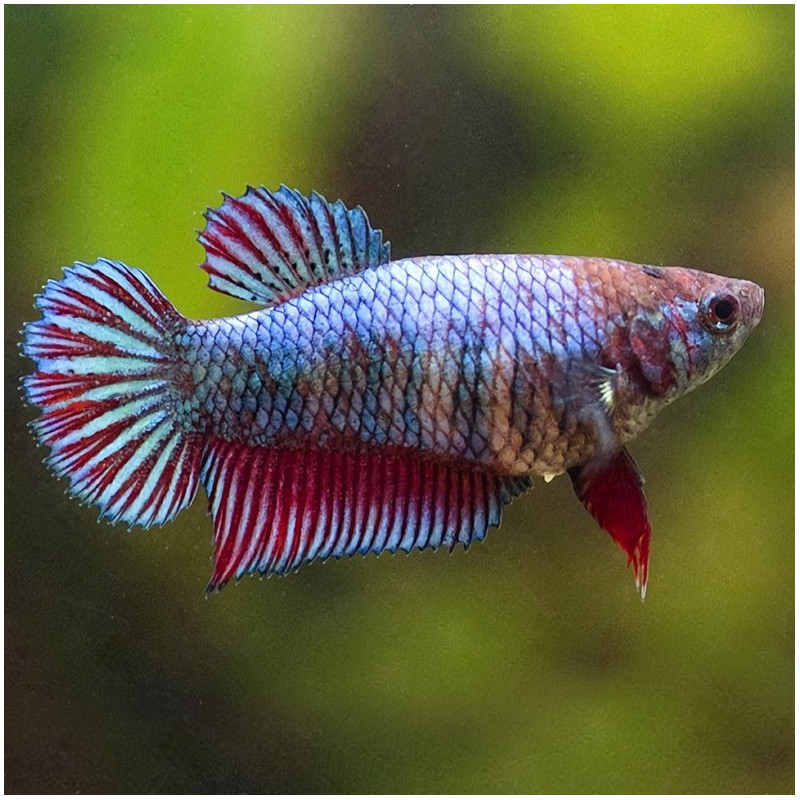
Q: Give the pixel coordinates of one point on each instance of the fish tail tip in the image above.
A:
(103, 351)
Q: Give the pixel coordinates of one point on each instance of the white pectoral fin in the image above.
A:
(592, 394)
(606, 390)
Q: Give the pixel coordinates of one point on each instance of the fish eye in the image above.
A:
(720, 313)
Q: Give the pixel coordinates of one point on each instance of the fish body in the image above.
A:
(369, 404)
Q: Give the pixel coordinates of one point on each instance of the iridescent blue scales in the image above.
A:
(369, 405)
(453, 357)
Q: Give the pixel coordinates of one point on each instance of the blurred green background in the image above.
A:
(661, 134)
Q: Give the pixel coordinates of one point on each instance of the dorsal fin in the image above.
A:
(268, 247)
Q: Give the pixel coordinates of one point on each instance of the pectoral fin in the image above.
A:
(612, 492)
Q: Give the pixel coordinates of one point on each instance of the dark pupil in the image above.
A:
(723, 309)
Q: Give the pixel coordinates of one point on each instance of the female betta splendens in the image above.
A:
(368, 404)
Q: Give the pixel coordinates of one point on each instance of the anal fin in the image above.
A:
(273, 510)
(611, 490)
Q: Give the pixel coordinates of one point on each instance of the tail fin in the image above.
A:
(104, 351)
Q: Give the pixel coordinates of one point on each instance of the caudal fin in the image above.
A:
(105, 380)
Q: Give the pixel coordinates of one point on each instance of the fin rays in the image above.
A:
(267, 247)
(104, 380)
(274, 510)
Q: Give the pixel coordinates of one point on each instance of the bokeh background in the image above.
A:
(659, 134)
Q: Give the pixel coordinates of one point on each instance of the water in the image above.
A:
(662, 135)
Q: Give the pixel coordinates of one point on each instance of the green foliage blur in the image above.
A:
(660, 134)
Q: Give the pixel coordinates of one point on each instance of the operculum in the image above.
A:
(651, 348)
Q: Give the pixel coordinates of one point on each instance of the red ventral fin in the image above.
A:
(612, 493)
(273, 510)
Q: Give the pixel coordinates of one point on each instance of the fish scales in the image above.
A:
(468, 374)
(369, 405)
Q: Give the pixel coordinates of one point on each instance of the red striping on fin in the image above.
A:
(612, 493)
(267, 247)
(273, 510)
(104, 358)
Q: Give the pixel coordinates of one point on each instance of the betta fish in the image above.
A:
(366, 405)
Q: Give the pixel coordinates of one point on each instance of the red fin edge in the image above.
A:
(612, 493)
(104, 354)
(269, 246)
(274, 510)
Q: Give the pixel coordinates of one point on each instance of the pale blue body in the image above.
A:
(480, 359)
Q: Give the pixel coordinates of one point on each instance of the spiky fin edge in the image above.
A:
(267, 247)
(611, 491)
(274, 510)
(103, 351)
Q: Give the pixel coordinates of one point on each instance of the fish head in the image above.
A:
(690, 326)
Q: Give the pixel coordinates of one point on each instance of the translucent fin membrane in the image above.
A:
(612, 493)
(274, 510)
(267, 247)
(104, 366)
